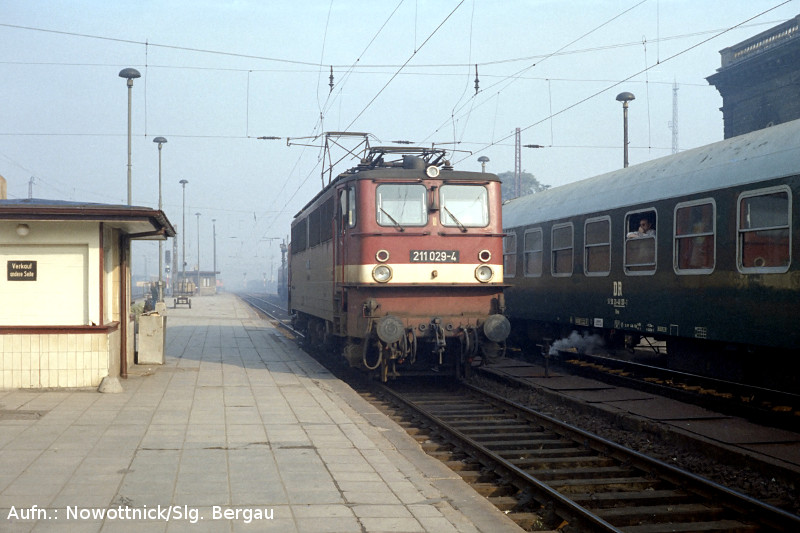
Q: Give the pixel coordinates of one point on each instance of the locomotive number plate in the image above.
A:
(434, 256)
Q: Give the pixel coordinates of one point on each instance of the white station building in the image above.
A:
(66, 293)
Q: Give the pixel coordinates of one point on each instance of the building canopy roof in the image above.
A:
(136, 221)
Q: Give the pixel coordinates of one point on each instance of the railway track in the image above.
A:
(548, 475)
(271, 307)
(553, 470)
(775, 408)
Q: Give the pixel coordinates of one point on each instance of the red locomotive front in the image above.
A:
(407, 271)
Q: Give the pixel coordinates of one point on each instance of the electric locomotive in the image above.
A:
(699, 249)
(397, 265)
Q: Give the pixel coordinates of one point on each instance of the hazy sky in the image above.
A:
(216, 75)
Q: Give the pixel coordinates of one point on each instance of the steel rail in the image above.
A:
(251, 301)
(768, 516)
(776, 517)
(565, 504)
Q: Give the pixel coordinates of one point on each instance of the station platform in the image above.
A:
(769, 450)
(239, 430)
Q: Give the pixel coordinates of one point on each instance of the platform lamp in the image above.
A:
(183, 237)
(214, 233)
(198, 252)
(483, 160)
(160, 141)
(130, 74)
(625, 98)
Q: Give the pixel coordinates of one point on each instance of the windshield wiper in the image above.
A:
(461, 226)
(396, 223)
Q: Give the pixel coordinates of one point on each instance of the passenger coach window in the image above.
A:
(597, 251)
(510, 255)
(764, 236)
(640, 242)
(694, 238)
(533, 252)
(562, 250)
(401, 205)
(464, 205)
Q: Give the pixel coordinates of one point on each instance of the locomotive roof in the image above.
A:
(391, 172)
(761, 155)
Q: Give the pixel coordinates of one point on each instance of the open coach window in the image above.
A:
(464, 205)
(401, 205)
(640, 242)
(764, 234)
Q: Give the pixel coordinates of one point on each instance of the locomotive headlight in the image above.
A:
(382, 273)
(484, 273)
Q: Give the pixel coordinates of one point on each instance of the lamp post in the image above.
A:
(160, 141)
(483, 160)
(183, 237)
(198, 252)
(130, 74)
(625, 98)
(214, 229)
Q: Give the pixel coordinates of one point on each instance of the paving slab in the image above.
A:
(768, 445)
(238, 430)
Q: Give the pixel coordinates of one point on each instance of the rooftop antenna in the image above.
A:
(517, 164)
(674, 123)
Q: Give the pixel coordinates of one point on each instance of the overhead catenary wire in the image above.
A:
(318, 126)
(314, 65)
(347, 128)
(357, 68)
(638, 73)
(512, 78)
(417, 49)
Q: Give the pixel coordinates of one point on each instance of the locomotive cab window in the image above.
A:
(347, 208)
(597, 250)
(464, 206)
(400, 205)
(764, 238)
(562, 250)
(510, 255)
(533, 252)
(694, 245)
(640, 242)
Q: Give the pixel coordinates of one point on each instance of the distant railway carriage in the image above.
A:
(718, 275)
(398, 265)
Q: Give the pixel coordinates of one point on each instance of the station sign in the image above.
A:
(21, 270)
